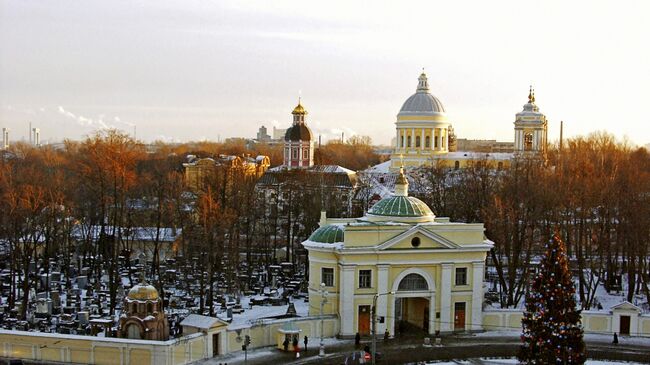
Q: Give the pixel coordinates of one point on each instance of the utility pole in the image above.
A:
(373, 310)
(323, 300)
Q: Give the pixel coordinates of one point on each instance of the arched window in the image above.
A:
(295, 153)
(456, 165)
(528, 142)
(435, 142)
(408, 141)
(427, 141)
(133, 332)
(417, 141)
(413, 282)
(500, 166)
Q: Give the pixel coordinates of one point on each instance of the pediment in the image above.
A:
(626, 306)
(428, 240)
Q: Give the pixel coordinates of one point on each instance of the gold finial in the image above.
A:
(530, 94)
(533, 95)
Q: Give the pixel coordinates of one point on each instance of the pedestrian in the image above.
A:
(305, 341)
(366, 349)
(357, 340)
(285, 344)
(295, 344)
(615, 342)
(386, 335)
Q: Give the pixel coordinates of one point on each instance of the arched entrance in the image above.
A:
(414, 306)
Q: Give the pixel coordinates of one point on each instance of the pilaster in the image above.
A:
(477, 296)
(445, 298)
(346, 299)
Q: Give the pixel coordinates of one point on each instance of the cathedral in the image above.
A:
(423, 134)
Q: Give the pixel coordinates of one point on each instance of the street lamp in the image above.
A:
(323, 300)
(374, 323)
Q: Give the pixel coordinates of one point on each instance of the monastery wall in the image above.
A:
(48, 347)
(593, 321)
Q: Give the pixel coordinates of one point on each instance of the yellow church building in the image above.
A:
(423, 132)
(421, 270)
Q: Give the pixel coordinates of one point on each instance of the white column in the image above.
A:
(412, 138)
(382, 301)
(397, 140)
(477, 296)
(346, 300)
(422, 140)
(445, 299)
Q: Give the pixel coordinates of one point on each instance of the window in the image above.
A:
(528, 142)
(327, 276)
(305, 153)
(456, 165)
(413, 282)
(435, 142)
(427, 141)
(408, 141)
(500, 166)
(415, 242)
(295, 153)
(417, 141)
(461, 276)
(365, 278)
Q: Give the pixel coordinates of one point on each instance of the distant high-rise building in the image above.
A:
(262, 135)
(5, 138)
(278, 133)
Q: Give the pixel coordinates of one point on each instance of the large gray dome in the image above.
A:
(422, 102)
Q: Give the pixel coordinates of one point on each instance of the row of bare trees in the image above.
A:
(595, 192)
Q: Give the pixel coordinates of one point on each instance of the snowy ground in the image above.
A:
(514, 361)
(257, 313)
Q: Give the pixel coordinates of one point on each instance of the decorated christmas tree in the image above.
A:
(552, 332)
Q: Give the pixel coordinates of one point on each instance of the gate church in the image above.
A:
(421, 270)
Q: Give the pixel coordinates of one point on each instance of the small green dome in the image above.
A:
(328, 234)
(401, 206)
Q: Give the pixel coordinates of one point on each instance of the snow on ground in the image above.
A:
(258, 313)
(486, 361)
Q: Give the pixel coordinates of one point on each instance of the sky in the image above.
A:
(194, 70)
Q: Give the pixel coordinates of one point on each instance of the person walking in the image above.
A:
(357, 340)
(305, 341)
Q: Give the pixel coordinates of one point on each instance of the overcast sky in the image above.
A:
(189, 70)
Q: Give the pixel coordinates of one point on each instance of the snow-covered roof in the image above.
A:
(202, 322)
(469, 155)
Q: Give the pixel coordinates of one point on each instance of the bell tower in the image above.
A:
(298, 141)
(531, 129)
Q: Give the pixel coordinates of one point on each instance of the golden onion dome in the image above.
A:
(299, 109)
(143, 291)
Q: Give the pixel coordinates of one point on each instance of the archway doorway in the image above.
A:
(412, 315)
(414, 303)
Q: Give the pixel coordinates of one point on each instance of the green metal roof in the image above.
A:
(328, 234)
(401, 206)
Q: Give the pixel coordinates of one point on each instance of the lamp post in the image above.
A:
(374, 324)
(323, 300)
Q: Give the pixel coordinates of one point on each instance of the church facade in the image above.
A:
(424, 134)
(416, 269)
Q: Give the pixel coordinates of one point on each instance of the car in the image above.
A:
(361, 357)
